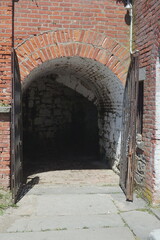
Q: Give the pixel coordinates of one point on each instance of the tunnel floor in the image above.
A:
(81, 177)
(45, 163)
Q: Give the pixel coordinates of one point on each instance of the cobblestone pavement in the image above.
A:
(79, 204)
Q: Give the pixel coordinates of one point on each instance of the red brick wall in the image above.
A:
(4, 149)
(91, 22)
(44, 28)
(65, 43)
(37, 16)
(147, 14)
(5, 50)
(5, 87)
(105, 17)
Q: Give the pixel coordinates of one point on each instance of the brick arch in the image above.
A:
(67, 43)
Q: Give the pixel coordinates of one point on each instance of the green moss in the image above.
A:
(85, 227)
(60, 229)
(3, 104)
(5, 200)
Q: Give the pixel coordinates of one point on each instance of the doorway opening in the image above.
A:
(71, 116)
(60, 128)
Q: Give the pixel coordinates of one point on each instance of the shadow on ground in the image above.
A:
(43, 163)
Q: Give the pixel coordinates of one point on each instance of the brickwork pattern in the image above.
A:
(38, 16)
(47, 29)
(5, 50)
(5, 88)
(147, 14)
(4, 149)
(98, 84)
(67, 43)
(157, 135)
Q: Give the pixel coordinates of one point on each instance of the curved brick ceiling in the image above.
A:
(86, 76)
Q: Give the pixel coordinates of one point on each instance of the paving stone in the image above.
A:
(61, 189)
(74, 204)
(27, 206)
(154, 235)
(121, 233)
(84, 212)
(142, 223)
(156, 211)
(123, 205)
(40, 223)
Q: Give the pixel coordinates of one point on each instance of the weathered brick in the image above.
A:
(147, 42)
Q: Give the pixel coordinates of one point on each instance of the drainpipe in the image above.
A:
(129, 8)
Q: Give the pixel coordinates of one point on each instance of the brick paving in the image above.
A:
(78, 177)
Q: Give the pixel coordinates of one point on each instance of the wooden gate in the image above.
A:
(16, 130)
(128, 142)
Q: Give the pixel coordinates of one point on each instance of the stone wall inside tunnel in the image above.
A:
(82, 84)
(57, 120)
(110, 138)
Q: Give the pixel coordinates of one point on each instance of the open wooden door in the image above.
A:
(128, 142)
(16, 130)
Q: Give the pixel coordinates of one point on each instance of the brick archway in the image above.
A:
(92, 51)
(66, 43)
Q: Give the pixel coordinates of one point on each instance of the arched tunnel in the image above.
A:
(71, 116)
